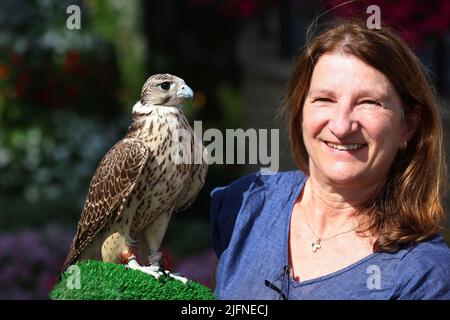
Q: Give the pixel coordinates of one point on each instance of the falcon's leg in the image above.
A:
(154, 234)
(116, 248)
(143, 250)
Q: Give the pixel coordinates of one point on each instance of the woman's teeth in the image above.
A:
(345, 146)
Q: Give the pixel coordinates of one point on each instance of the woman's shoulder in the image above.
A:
(227, 201)
(433, 253)
(232, 195)
(424, 271)
(260, 179)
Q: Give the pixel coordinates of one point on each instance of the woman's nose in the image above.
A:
(341, 122)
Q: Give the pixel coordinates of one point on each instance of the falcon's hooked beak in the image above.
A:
(185, 92)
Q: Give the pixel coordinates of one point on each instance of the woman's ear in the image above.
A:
(412, 120)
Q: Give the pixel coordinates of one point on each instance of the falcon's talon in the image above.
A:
(155, 272)
(164, 272)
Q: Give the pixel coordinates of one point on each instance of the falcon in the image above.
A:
(158, 168)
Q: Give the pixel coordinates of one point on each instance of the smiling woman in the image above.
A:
(361, 218)
(378, 96)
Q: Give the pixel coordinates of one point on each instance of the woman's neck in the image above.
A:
(332, 209)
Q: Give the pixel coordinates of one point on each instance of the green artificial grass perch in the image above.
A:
(108, 281)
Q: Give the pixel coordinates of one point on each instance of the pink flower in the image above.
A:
(418, 19)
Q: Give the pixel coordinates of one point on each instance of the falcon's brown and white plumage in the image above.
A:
(142, 180)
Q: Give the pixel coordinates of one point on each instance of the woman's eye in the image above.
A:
(165, 85)
(371, 102)
(323, 100)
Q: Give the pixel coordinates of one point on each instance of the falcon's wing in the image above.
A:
(193, 187)
(109, 190)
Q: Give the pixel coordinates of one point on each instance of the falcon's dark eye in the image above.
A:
(165, 85)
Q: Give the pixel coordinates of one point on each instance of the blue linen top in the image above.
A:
(250, 221)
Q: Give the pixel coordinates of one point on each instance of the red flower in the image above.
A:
(4, 71)
(48, 95)
(72, 91)
(81, 71)
(16, 59)
(22, 84)
(72, 61)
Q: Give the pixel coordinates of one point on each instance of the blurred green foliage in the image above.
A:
(119, 22)
(59, 111)
(66, 97)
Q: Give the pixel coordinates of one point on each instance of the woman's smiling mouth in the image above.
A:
(346, 147)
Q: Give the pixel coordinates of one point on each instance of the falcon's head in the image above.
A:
(165, 90)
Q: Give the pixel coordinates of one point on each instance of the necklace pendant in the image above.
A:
(316, 245)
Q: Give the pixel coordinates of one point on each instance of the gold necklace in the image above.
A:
(316, 245)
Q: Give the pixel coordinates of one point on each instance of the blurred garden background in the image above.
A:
(66, 98)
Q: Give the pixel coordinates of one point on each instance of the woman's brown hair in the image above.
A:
(409, 207)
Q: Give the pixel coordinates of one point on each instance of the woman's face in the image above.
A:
(352, 121)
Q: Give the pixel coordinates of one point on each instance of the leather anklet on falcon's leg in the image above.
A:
(129, 260)
(153, 235)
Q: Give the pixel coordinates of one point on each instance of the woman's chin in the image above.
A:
(344, 177)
